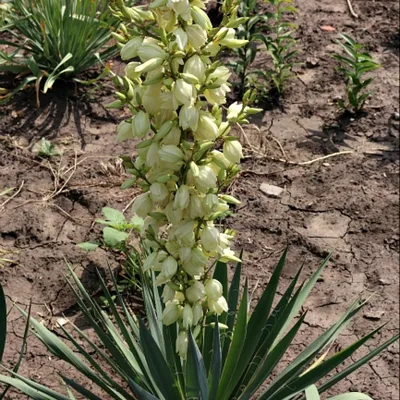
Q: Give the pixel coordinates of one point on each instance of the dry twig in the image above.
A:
(351, 9)
(11, 197)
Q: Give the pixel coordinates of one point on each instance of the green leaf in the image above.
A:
(88, 246)
(233, 297)
(312, 393)
(128, 183)
(113, 237)
(257, 322)
(31, 388)
(303, 295)
(137, 222)
(139, 392)
(113, 215)
(235, 348)
(23, 346)
(270, 361)
(354, 366)
(196, 375)
(350, 396)
(80, 389)
(216, 364)
(157, 365)
(3, 322)
(291, 372)
(53, 76)
(221, 275)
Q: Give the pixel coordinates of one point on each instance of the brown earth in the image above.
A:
(347, 204)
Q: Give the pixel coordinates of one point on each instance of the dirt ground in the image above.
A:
(346, 204)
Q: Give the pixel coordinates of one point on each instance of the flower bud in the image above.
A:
(182, 197)
(181, 38)
(207, 128)
(151, 99)
(158, 192)
(219, 76)
(187, 316)
(179, 296)
(130, 70)
(182, 344)
(185, 253)
(233, 111)
(152, 156)
(212, 49)
(157, 3)
(173, 216)
(210, 238)
(196, 264)
(170, 154)
(217, 96)
(230, 199)
(188, 117)
(228, 255)
(196, 67)
(196, 292)
(184, 92)
(213, 289)
(140, 124)
(233, 151)
(173, 137)
(226, 37)
(124, 131)
(130, 49)
(206, 178)
(197, 36)
(195, 207)
(197, 313)
(149, 65)
(169, 267)
(171, 312)
(181, 8)
(210, 203)
(218, 306)
(201, 18)
(143, 205)
(168, 294)
(151, 51)
(185, 232)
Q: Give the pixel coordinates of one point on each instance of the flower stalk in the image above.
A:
(176, 89)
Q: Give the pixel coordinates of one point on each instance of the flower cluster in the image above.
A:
(175, 90)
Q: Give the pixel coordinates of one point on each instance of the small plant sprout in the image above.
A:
(253, 28)
(45, 148)
(280, 44)
(354, 65)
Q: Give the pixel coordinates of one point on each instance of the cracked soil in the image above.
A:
(346, 204)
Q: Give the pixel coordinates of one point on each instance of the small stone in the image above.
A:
(396, 116)
(337, 98)
(384, 282)
(327, 28)
(326, 164)
(374, 315)
(271, 190)
(311, 62)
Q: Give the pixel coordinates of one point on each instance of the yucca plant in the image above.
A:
(354, 66)
(138, 360)
(54, 39)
